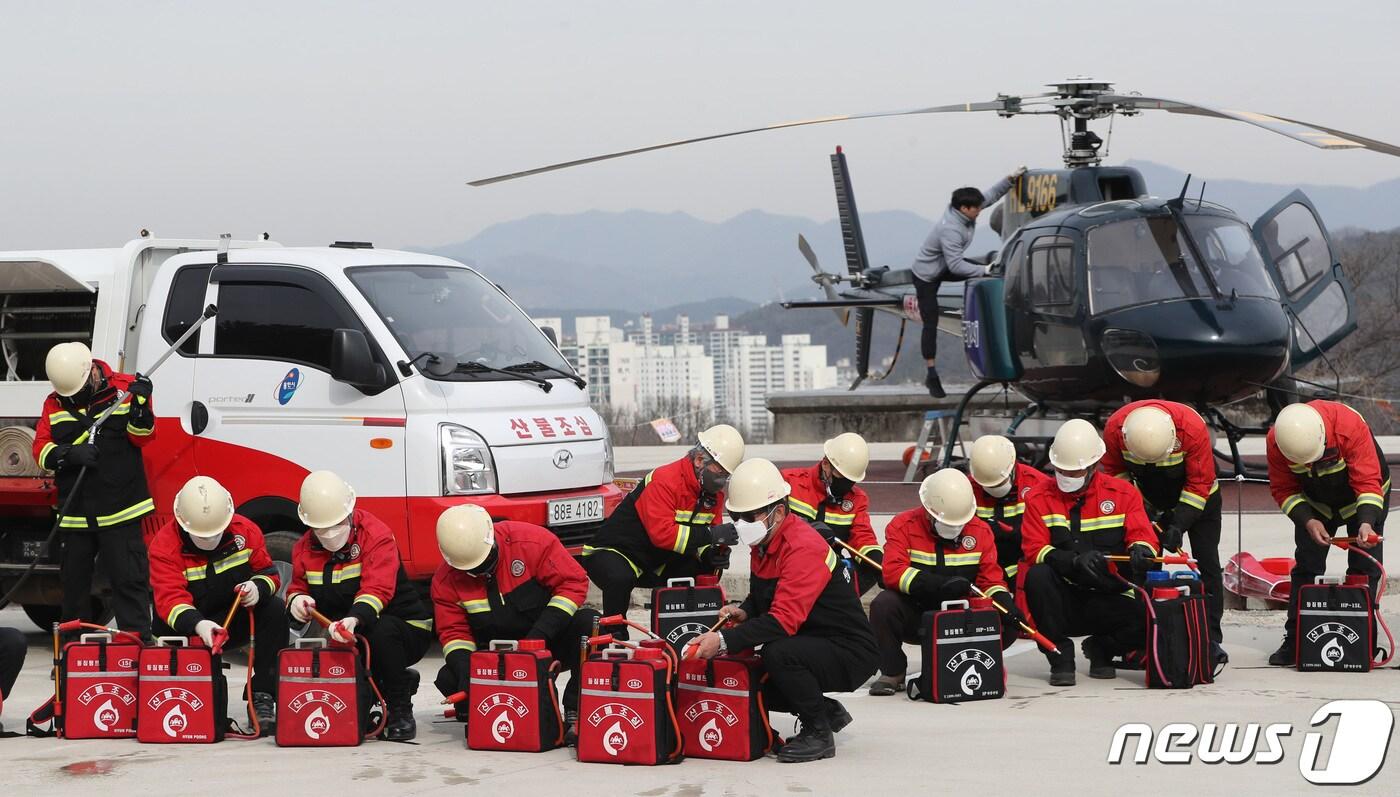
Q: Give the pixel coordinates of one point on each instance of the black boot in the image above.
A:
(1286, 655)
(1100, 658)
(264, 708)
(813, 743)
(837, 715)
(934, 385)
(571, 729)
(1062, 666)
(401, 727)
(1218, 654)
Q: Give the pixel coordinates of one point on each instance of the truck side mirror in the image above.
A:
(352, 362)
(553, 337)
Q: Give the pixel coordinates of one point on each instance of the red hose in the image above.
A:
(1380, 592)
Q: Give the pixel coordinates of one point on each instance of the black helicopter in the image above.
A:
(1101, 293)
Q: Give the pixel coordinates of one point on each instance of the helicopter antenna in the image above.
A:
(1181, 198)
(1200, 200)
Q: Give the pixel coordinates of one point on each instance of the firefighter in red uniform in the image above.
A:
(1164, 449)
(105, 515)
(506, 580)
(935, 552)
(801, 609)
(204, 560)
(348, 569)
(1001, 483)
(668, 526)
(1326, 471)
(828, 497)
(1069, 528)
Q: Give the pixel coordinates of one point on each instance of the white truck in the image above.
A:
(412, 376)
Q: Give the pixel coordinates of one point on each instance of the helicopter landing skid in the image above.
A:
(1234, 433)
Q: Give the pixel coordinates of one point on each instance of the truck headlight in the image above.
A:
(467, 467)
(608, 467)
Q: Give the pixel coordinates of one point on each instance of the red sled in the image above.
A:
(97, 683)
(719, 706)
(514, 706)
(323, 699)
(182, 692)
(625, 713)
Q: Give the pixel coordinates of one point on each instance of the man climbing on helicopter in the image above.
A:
(943, 258)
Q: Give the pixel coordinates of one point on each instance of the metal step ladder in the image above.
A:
(933, 419)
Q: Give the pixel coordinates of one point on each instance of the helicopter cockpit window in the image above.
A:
(1051, 263)
(1138, 261)
(1295, 242)
(1231, 255)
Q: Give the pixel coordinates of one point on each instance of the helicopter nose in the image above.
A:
(1197, 349)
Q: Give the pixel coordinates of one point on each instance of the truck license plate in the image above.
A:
(568, 511)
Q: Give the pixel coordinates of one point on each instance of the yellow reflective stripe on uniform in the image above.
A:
(426, 625)
(563, 604)
(962, 559)
(1336, 467)
(831, 560)
(1324, 510)
(271, 584)
(1149, 545)
(985, 513)
(43, 454)
(476, 606)
(1011, 570)
(1191, 499)
(682, 538)
(1010, 510)
(589, 550)
(1101, 523)
(994, 589)
(1054, 520)
(866, 550)
(345, 573)
(371, 601)
(455, 645)
(230, 562)
(694, 517)
(923, 557)
(802, 508)
(138, 431)
(840, 519)
(194, 573)
(1372, 499)
(128, 514)
(61, 416)
(1044, 550)
(906, 578)
(1291, 502)
(179, 609)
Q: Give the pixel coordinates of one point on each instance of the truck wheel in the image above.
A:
(279, 547)
(45, 615)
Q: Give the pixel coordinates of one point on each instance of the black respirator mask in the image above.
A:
(487, 568)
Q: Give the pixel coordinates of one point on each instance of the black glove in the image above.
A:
(1142, 559)
(724, 534)
(927, 588)
(83, 456)
(1062, 562)
(825, 531)
(1091, 569)
(141, 387)
(1008, 605)
(1171, 538)
(955, 588)
(715, 557)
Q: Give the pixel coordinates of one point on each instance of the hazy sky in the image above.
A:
(317, 121)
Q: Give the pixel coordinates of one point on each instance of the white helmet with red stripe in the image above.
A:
(1149, 434)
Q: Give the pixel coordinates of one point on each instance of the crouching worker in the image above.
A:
(348, 570)
(934, 553)
(204, 560)
(668, 526)
(1001, 484)
(1071, 526)
(828, 496)
(506, 580)
(801, 609)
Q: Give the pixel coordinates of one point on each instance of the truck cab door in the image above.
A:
(273, 411)
(1303, 264)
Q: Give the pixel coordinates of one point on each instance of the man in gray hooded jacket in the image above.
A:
(943, 258)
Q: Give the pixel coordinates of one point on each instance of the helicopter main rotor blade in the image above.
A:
(1306, 132)
(1003, 104)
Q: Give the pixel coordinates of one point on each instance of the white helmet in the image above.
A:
(1149, 434)
(1077, 446)
(1300, 434)
(69, 367)
(203, 508)
(947, 495)
(724, 444)
(993, 459)
(326, 499)
(848, 454)
(755, 484)
(465, 536)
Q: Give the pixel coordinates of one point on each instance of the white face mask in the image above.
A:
(206, 543)
(947, 531)
(751, 532)
(333, 538)
(1070, 484)
(1000, 490)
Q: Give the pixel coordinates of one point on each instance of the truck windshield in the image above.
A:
(454, 310)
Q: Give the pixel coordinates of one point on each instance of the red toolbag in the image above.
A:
(323, 698)
(183, 694)
(719, 705)
(625, 713)
(97, 683)
(513, 703)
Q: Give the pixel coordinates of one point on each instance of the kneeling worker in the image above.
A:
(348, 569)
(935, 553)
(828, 496)
(1001, 483)
(668, 526)
(506, 580)
(1069, 529)
(204, 560)
(801, 609)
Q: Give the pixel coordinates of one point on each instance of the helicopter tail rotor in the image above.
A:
(822, 278)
